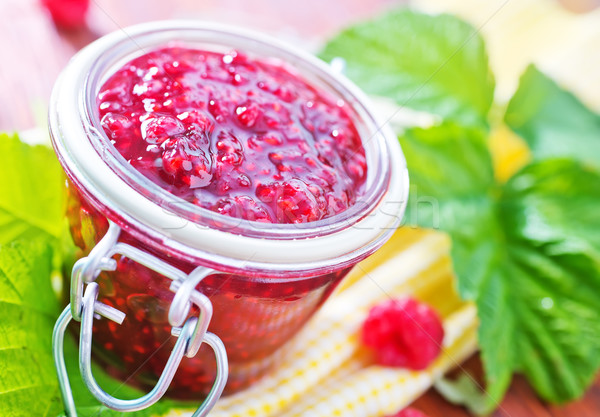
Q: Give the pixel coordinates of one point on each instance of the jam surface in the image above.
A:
(239, 136)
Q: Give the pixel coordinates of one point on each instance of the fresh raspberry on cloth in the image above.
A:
(403, 333)
(409, 412)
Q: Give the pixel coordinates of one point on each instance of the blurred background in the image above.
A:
(560, 36)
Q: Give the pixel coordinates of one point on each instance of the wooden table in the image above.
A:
(33, 53)
(520, 401)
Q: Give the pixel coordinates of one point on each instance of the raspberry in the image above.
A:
(218, 109)
(67, 14)
(229, 148)
(248, 114)
(196, 120)
(118, 124)
(403, 333)
(156, 130)
(356, 167)
(296, 204)
(243, 207)
(409, 412)
(185, 162)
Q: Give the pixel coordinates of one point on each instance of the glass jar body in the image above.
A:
(253, 315)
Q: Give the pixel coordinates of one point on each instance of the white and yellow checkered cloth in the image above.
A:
(324, 372)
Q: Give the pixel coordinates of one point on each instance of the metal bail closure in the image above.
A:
(191, 332)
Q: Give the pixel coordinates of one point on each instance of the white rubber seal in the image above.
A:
(79, 156)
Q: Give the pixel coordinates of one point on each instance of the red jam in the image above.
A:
(239, 136)
(253, 316)
(242, 137)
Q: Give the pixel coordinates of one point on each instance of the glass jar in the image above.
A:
(259, 282)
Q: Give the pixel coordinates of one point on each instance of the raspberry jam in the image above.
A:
(259, 165)
(243, 137)
(252, 316)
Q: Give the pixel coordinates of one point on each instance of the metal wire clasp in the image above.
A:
(191, 332)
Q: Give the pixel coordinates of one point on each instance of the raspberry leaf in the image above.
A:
(420, 61)
(463, 391)
(553, 121)
(33, 243)
(28, 309)
(549, 213)
(527, 252)
(32, 193)
(554, 205)
(452, 188)
(451, 181)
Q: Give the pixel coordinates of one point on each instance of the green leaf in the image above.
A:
(528, 254)
(556, 204)
(452, 188)
(549, 211)
(553, 121)
(31, 191)
(436, 64)
(28, 309)
(34, 243)
(451, 175)
(462, 391)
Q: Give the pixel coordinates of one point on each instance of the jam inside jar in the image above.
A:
(276, 219)
(253, 316)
